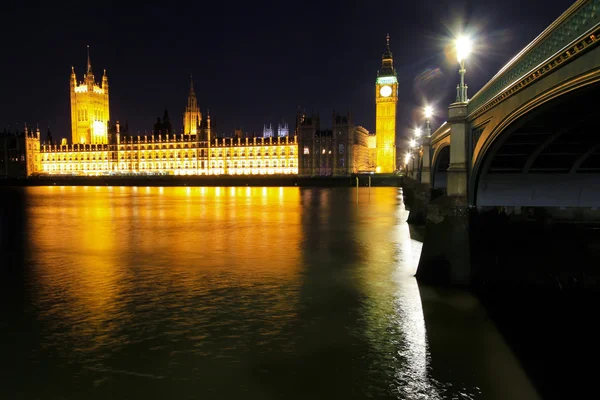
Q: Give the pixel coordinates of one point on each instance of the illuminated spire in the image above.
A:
(387, 60)
(89, 66)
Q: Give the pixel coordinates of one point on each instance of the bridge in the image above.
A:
(527, 138)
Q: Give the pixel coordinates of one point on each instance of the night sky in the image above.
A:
(253, 62)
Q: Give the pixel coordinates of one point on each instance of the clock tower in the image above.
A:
(386, 98)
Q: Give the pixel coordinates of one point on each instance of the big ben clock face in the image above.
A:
(385, 91)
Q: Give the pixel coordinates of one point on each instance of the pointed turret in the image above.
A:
(89, 61)
(49, 140)
(387, 60)
(192, 117)
(105, 81)
(192, 87)
(73, 78)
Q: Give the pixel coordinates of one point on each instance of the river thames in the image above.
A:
(232, 292)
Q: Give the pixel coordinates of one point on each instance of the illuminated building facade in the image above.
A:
(372, 145)
(386, 98)
(339, 151)
(89, 108)
(96, 151)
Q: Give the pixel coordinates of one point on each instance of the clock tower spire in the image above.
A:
(386, 99)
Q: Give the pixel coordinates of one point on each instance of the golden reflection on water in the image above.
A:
(242, 291)
(93, 247)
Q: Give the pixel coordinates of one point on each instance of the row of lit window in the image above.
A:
(80, 148)
(134, 156)
(128, 165)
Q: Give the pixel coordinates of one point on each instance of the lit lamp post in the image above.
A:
(463, 49)
(414, 151)
(407, 158)
(426, 167)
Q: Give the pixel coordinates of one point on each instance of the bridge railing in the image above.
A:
(581, 18)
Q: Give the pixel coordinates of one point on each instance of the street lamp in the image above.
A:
(417, 132)
(428, 115)
(428, 112)
(463, 49)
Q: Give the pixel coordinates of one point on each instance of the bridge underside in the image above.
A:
(440, 168)
(548, 158)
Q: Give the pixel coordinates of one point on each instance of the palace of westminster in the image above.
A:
(100, 148)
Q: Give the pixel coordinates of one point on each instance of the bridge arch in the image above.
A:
(545, 153)
(440, 161)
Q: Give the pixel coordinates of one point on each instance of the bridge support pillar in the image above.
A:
(417, 196)
(445, 257)
(458, 169)
(446, 253)
(426, 167)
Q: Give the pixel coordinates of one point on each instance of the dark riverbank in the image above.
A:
(239, 180)
(541, 291)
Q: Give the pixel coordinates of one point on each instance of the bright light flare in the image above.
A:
(406, 158)
(464, 45)
(413, 143)
(428, 111)
(417, 132)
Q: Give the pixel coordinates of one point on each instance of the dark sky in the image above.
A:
(253, 62)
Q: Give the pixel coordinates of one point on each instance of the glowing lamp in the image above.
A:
(463, 47)
(417, 132)
(413, 143)
(428, 112)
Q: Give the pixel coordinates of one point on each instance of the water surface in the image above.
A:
(225, 293)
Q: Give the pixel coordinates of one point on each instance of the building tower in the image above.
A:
(89, 107)
(283, 130)
(192, 116)
(267, 132)
(386, 98)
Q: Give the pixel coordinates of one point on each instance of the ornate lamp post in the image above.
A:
(407, 158)
(463, 49)
(426, 164)
(415, 149)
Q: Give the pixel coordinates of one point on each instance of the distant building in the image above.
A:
(267, 132)
(19, 152)
(372, 140)
(163, 127)
(112, 150)
(339, 151)
(283, 130)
